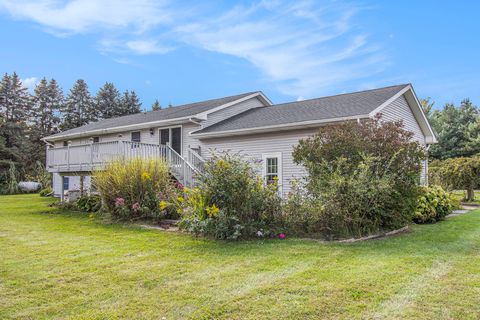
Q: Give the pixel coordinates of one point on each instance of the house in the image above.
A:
(247, 123)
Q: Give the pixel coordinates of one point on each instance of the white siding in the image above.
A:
(400, 110)
(253, 146)
(74, 183)
(230, 111)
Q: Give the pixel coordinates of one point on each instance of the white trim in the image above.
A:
(131, 127)
(277, 127)
(277, 155)
(429, 136)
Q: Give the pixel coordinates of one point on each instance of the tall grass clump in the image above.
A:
(134, 188)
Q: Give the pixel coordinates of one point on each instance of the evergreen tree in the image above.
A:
(156, 106)
(15, 100)
(457, 131)
(47, 103)
(130, 104)
(108, 101)
(79, 108)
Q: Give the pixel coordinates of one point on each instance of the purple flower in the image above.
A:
(119, 202)
(136, 206)
(282, 236)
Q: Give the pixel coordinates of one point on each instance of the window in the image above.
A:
(271, 172)
(272, 168)
(66, 183)
(96, 139)
(136, 136)
(65, 143)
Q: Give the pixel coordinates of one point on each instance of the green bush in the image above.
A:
(433, 204)
(231, 201)
(133, 188)
(92, 203)
(362, 179)
(46, 192)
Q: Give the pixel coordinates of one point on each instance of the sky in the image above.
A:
(186, 51)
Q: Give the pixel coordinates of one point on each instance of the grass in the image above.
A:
(460, 195)
(70, 266)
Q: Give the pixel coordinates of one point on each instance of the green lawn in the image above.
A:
(61, 266)
(460, 195)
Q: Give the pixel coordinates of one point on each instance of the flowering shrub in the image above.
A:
(136, 188)
(231, 201)
(433, 204)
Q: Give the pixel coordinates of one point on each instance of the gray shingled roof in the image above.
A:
(181, 111)
(338, 106)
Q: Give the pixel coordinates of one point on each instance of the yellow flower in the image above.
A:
(146, 176)
(162, 205)
(212, 211)
(180, 199)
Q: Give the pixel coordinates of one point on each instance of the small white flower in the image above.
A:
(259, 233)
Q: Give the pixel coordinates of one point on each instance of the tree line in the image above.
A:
(27, 117)
(457, 129)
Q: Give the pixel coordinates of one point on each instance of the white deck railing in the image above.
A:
(95, 156)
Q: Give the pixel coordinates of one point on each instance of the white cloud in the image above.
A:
(147, 47)
(304, 48)
(79, 16)
(30, 82)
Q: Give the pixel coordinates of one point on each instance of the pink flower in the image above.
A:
(119, 202)
(282, 236)
(136, 206)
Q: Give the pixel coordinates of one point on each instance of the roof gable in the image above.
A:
(313, 111)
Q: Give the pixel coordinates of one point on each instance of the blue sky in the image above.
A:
(187, 51)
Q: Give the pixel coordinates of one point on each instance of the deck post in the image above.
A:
(68, 154)
(82, 183)
(62, 190)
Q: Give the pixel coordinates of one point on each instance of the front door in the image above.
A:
(172, 137)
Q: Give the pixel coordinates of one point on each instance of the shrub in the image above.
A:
(362, 178)
(433, 204)
(133, 188)
(231, 201)
(46, 192)
(91, 203)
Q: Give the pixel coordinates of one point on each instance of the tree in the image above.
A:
(457, 173)
(14, 99)
(427, 106)
(457, 131)
(156, 106)
(130, 104)
(107, 101)
(48, 101)
(79, 107)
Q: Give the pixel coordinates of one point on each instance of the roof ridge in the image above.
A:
(340, 94)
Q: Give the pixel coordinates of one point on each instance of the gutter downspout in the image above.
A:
(195, 122)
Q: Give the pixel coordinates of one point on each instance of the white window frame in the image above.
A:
(277, 155)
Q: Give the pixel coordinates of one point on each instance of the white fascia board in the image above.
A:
(418, 112)
(143, 125)
(274, 128)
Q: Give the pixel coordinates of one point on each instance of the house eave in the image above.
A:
(143, 125)
(275, 128)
